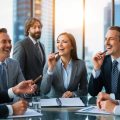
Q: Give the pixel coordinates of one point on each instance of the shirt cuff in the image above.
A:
(116, 110)
(96, 73)
(11, 93)
(10, 109)
(50, 72)
(112, 96)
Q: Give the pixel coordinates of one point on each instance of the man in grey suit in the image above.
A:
(10, 72)
(30, 51)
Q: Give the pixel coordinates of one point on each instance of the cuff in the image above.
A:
(112, 96)
(116, 110)
(10, 109)
(11, 93)
(96, 73)
(74, 94)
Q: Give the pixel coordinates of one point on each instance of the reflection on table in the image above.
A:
(69, 113)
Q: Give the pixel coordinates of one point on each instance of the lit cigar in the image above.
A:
(37, 79)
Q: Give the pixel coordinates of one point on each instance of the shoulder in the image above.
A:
(23, 42)
(12, 61)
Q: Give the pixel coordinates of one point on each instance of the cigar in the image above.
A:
(56, 53)
(57, 56)
(103, 52)
(37, 79)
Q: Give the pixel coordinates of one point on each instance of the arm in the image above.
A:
(46, 82)
(19, 54)
(3, 111)
(4, 97)
(95, 85)
(82, 89)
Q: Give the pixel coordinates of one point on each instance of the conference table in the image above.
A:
(69, 113)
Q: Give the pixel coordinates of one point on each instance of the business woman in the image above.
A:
(67, 76)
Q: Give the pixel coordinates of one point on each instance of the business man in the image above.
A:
(105, 102)
(18, 108)
(30, 51)
(10, 72)
(107, 67)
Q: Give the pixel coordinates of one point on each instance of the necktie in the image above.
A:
(39, 51)
(3, 77)
(115, 75)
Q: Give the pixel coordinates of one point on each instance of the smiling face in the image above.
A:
(35, 30)
(64, 45)
(112, 43)
(5, 46)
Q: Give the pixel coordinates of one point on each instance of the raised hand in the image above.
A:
(25, 87)
(98, 60)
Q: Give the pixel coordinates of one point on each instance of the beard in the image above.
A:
(35, 35)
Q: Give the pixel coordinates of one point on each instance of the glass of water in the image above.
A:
(36, 103)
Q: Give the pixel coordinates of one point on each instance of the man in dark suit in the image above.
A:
(102, 75)
(18, 108)
(30, 51)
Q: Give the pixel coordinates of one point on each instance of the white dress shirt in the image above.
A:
(11, 95)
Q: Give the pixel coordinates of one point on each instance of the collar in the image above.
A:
(70, 62)
(118, 60)
(33, 40)
(3, 62)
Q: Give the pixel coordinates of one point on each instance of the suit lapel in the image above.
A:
(31, 45)
(60, 74)
(108, 70)
(73, 73)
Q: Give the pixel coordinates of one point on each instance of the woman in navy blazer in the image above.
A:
(67, 76)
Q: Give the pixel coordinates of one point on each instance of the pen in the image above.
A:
(37, 79)
(59, 101)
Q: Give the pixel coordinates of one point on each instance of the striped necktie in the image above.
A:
(115, 75)
(39, 51)
(3, 77)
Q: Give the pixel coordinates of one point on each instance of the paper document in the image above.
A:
(28, 113)
(92, 109)
(62, 102)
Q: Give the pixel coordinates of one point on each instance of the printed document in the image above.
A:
(28, 113)
(62, 102)
(92, 109)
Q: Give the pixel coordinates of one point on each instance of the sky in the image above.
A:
(6, 15)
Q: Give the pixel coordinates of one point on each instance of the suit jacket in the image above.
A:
(3, 108)
(25, 52)
(104, 80)
(14, 73)
(53, 85)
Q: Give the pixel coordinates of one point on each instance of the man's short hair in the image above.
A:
(117, 28)
(29, 23)
(3, 30)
